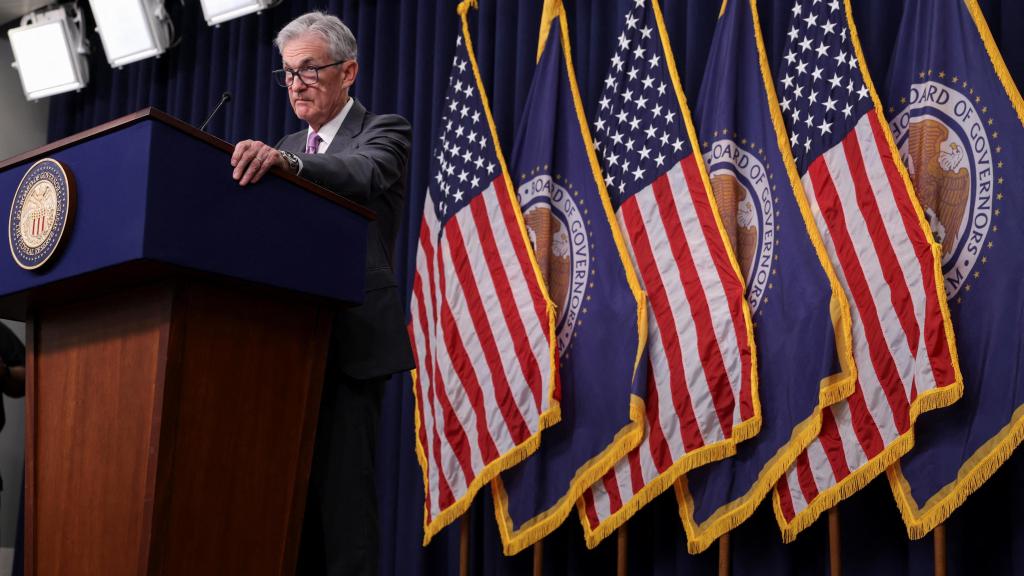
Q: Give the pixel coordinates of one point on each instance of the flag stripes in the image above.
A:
(870, 229)
(470, 405)
(699, 385)
(480, 322)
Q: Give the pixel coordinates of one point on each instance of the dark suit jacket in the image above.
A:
(366, 162)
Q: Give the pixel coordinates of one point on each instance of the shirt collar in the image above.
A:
(329, 130)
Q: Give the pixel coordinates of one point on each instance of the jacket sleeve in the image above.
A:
(367, 168)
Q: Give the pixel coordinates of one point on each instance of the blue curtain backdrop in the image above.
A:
(405, 50)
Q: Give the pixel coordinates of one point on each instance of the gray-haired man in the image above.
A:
(361, 156)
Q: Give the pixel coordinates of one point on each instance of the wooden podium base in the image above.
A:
(170, 430)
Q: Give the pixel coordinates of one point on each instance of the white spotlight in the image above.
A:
(49, 52)
(217, 11)
(132, 30)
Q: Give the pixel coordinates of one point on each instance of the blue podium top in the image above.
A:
(154, 193)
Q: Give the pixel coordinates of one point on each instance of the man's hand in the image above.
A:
(252, 159)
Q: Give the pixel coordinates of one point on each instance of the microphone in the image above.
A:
(224, 98)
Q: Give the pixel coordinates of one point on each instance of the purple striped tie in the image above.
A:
(313, 143)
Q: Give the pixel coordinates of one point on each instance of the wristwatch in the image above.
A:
(291, 159)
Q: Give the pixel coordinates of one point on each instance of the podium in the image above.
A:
(176, 350)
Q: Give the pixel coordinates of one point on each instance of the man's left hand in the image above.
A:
(252, 159)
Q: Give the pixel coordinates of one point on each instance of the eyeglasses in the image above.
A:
(308, 75)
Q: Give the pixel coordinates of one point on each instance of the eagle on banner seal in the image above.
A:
(559, 233)
(945, 144)
(740, 183)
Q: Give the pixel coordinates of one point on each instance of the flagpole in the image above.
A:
(835, 565)
(538, 558)
(623, 557)
(939, 540)
(723, 555)
(464, 545)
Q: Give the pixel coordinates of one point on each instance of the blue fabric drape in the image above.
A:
(405, 50)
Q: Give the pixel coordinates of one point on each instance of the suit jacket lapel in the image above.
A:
(349, 129)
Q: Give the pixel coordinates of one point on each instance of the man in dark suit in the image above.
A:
(363, 157)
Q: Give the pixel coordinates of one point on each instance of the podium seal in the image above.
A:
(42, 211)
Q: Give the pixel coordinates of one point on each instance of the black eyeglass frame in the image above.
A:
(282, 75)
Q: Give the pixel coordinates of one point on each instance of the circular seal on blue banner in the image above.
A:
(41, 213)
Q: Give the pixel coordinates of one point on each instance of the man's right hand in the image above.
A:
(252, 159)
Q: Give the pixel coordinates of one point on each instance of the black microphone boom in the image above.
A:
(224, 98)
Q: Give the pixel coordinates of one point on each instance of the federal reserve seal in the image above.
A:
(558, 232)
(41, 213)
(944, 142)
(743, 194)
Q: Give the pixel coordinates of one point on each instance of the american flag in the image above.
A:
(876, 238)
(480, 321)
(701, 395)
